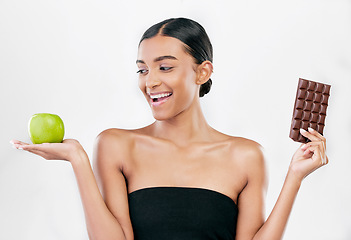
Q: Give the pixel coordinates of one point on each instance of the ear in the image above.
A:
(204, 72)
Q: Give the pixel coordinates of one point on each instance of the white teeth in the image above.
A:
(160, 95)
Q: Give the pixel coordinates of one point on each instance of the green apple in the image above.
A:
(46, 128)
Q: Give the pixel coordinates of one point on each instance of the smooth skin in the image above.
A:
(179, 149)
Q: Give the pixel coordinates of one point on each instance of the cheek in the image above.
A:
(141, 84)
(189, 82)
(187, 88)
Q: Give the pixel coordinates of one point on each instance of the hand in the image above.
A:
(69, 149)
(309, 156)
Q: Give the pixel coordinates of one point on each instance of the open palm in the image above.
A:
(67, 150)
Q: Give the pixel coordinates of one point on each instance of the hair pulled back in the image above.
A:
(192, 34)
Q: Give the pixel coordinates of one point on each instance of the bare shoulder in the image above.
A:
(117, 134)
(249, 158)
(247, 153)
(242, 149)
(112, 138)
(121, 141)
(113, 134)
(246, 147)
(112, 146)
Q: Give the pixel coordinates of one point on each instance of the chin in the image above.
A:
(162, 116)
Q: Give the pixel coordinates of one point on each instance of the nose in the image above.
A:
(152, 80)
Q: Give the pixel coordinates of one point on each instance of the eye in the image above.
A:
(165, 68)
(142, 71)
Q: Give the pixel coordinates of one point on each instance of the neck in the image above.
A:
(187, 127)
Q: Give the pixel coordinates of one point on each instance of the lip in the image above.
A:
(155, 104)
(156, 93)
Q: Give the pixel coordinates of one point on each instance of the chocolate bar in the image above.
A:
(310, 108)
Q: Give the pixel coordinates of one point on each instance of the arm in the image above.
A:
(101, 223)
(306, 159)
(111, 150)
(275, 224)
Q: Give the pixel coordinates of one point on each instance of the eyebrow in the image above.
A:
(159, 59)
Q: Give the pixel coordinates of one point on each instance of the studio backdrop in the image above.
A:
(77, 59)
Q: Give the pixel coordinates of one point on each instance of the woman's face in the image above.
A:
(167, 76)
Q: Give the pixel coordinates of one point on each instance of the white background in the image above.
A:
(77, 59)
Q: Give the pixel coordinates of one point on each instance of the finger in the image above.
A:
(309, 135)
(18, 146)
(39, 147)
(318, 157)
(35, 149)
(317, 134)
(320, 144)
(17, 142)
(322, 149)
(317, 154)
(326, 159)
(304, 147)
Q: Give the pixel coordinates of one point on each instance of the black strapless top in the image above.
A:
(182, 213)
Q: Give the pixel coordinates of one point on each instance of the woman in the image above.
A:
(178, 178)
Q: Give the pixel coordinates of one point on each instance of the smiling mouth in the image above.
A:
(160, 97)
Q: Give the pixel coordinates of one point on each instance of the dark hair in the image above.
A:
(192, 34)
